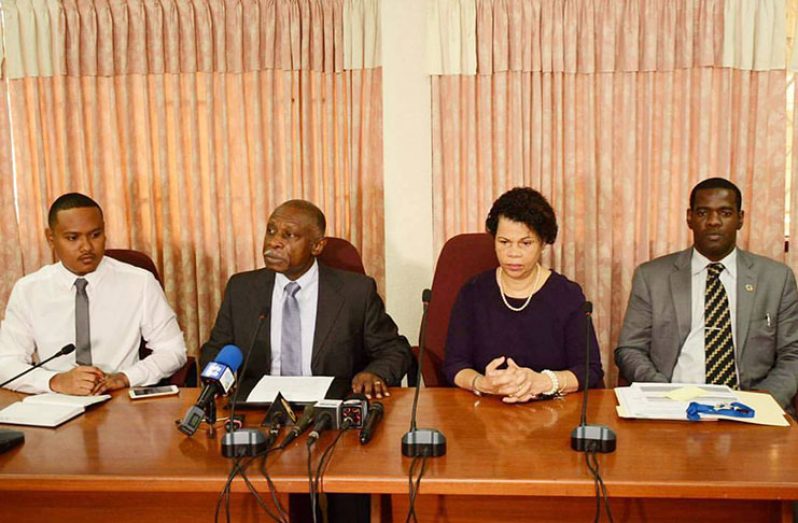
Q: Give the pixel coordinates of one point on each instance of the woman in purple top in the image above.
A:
(522, 323)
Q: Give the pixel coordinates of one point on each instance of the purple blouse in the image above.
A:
(548, 334)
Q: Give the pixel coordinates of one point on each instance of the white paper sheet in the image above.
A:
(295, 389)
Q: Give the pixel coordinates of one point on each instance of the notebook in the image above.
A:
(48, 410)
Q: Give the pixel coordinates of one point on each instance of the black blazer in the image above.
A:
(353, 331)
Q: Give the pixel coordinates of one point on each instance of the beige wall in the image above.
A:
(408, 161)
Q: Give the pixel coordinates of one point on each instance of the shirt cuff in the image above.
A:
(135, 375)
(40, 380)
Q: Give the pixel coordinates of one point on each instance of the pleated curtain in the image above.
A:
(189, 121)
(614, 110)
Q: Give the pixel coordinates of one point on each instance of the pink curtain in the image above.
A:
(189, 121)
(613, 110)
(10, 247)
(792, 233)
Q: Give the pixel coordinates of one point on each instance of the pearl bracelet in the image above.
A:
(555, 383)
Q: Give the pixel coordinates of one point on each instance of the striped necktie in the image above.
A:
(718, 342)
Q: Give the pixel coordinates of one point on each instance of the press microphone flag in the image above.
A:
(218, 378)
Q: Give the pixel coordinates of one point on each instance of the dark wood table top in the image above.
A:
(493, 449)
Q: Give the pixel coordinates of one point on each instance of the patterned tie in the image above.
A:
(718, 342)
(82, 329)
(291, 341)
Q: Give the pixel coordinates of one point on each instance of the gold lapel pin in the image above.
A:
(749, 287)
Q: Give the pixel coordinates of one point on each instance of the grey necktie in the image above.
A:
(291, 337)
(82, 328)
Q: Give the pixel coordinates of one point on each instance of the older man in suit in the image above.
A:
(320, 321)
(713, 313)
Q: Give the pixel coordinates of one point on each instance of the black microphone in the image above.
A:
(590, 438)
(245, 442)
(422, 442)
(66, 349)
(372, 420)
(11, 438)
(323, 422)
(301, 426)
(278, 415)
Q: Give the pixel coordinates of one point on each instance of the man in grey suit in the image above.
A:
(678, 320)
(333, 324)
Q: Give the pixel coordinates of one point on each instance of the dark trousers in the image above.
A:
(341, 508)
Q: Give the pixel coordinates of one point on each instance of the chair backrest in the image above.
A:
(462, 257)
(135, 258)
(186, 376)
(340, 254)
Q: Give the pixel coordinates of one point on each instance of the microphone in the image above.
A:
(590, 438)
(217, 377)
(372, 420)
(66, 349)
(323, 422)
(328, 416)
(301, 426)
(245, 442)
(11, 438)
(422, 442)
(355, 408)
(278, 415)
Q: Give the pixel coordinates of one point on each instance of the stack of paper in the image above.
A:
(670, 401)
(48, 410)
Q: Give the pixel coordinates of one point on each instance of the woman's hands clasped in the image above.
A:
(516, 384)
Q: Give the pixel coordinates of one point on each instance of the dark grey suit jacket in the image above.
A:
(658, 320)
(353, 331)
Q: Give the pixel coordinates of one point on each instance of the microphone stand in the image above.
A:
(422, 442)
(590, 438)
(245, 442)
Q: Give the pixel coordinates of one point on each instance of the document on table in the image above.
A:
(295, 389)
(669, 401)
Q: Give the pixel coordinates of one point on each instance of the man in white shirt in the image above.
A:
(713, 313)
(103, 306)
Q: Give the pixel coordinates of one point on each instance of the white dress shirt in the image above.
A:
(691, 365)
(308, 298)
(126, 303)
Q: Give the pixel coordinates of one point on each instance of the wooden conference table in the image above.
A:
(126, 461)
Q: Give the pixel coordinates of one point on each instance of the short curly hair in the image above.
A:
(524, 205)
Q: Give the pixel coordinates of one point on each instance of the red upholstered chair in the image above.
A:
(340, 254)
(186, 376)
(462, 257)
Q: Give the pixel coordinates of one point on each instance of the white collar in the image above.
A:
(310, 276)
(67, 278)
(699, 262)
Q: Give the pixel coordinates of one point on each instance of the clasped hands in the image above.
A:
(516, 384)
(87, 381)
